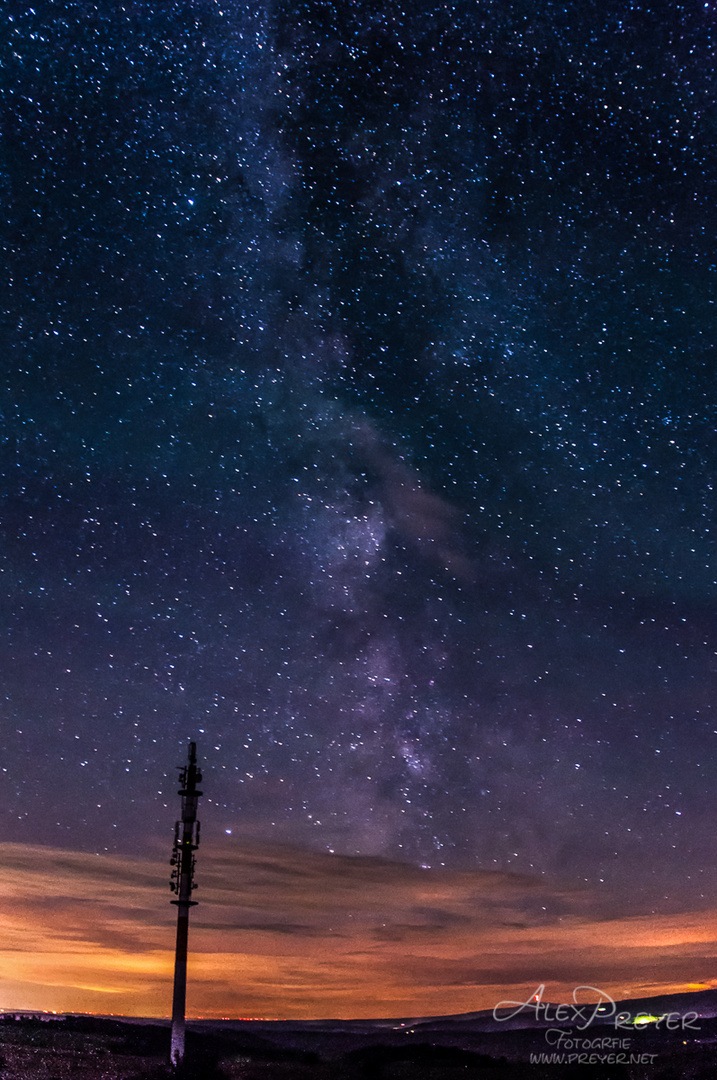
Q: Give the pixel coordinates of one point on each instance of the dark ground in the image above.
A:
(83, 1047)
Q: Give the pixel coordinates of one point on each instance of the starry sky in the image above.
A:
(358, 421)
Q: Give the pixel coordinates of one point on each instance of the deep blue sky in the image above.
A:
(358, 399)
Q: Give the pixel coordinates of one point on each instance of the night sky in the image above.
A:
(357, 383)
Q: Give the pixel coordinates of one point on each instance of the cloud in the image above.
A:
(281, 932)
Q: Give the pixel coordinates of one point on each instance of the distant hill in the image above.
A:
(702, 1002)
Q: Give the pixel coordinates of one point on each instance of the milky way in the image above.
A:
(358, 422)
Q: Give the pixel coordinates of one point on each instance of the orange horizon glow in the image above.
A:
(287, 934)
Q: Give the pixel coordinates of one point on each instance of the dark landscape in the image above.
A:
(678, 1041)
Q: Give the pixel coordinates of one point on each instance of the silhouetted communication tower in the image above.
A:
(186, 842)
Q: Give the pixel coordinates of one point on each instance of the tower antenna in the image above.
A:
(186, 842)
